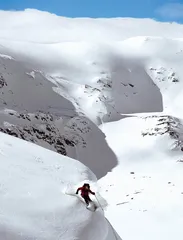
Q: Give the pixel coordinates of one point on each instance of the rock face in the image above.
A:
(31, 110)
(44, 129)
(169, 125)
(38, 128)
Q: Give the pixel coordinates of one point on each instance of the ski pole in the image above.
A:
(99, 203)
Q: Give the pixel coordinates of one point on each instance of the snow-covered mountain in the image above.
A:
(107, 92)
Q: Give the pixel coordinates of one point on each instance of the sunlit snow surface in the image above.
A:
(144, 191)
(84, 70)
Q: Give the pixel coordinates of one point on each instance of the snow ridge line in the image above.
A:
(114, 232)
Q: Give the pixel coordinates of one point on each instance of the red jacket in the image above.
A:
(84, 191)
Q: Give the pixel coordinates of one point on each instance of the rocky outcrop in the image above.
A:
(166, 124)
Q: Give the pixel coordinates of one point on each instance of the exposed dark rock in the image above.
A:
(167, 125)
(2, 82)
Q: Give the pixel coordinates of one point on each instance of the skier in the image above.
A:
(85, 190)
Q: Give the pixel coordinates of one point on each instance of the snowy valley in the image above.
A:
(105, 96)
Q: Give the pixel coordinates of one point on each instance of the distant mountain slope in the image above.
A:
(52, 90)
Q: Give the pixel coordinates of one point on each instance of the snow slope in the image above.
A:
(33, 203)
(144, 191)
(64, 85)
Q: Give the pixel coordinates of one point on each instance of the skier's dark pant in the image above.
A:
(87, 199)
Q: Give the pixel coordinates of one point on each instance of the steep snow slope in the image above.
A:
(91, 75)
(33, 205)
(144, 191)
(29, 108)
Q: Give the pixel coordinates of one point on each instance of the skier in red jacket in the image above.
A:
(85, 190)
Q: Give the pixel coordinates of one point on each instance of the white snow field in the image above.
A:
(32, 198)
(144, 191)
(106, 92)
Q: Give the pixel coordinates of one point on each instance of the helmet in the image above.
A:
(86, 185)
